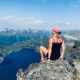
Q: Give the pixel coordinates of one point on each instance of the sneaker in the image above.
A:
(42, 60)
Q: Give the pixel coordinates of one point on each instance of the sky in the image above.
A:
(40, 14)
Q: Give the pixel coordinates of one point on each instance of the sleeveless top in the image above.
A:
(55, 53)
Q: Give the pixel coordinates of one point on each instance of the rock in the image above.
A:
(76, 44)
(72, 53)
(56, 70)
(77, 70)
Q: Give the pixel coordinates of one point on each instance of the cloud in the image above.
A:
(5, 17)
(32, 22)
(37, 22)
(67, 23)
(63, 22)
(9, 21)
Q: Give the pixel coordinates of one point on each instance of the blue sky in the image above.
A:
(40, 14)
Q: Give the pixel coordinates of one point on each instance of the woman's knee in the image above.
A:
(43, 49)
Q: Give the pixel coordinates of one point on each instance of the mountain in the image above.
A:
(15, 40)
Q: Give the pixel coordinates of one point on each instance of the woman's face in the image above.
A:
(54, 32)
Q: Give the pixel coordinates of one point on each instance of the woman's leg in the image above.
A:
(43, 51)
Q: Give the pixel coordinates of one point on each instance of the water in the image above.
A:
(16, 60)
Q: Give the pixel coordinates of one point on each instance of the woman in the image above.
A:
(56, 47)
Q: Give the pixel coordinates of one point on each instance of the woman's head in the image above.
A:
(56, 30)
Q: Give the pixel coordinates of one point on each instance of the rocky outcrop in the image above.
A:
(76, 44)
(56, 70)
(72, 53)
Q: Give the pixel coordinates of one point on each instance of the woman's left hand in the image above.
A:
(61, 58)
(48, 61)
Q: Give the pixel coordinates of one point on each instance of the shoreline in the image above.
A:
(10, 52)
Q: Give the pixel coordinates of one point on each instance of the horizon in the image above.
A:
(40, 14)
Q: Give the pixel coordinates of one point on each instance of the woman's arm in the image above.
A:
(62, 51)
(50, 48)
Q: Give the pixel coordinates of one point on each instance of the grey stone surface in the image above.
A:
(56, 70)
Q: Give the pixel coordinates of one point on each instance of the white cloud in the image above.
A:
(63, 22)
(5, 17)
(9, 21)
(32, 22)
(37, 22)
(67, 23)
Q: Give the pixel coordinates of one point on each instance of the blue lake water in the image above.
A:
(16, 60)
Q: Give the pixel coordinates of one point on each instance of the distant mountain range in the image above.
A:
(13, 40)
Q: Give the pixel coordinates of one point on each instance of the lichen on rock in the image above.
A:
(56, 70)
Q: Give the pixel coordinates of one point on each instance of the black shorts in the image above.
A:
(53, 57)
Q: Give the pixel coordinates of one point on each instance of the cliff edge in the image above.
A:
(56, 70)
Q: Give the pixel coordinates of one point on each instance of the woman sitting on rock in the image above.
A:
(56, 47)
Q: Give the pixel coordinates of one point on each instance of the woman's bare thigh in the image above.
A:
(44, 49)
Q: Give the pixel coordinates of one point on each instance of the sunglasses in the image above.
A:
(59, 32)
